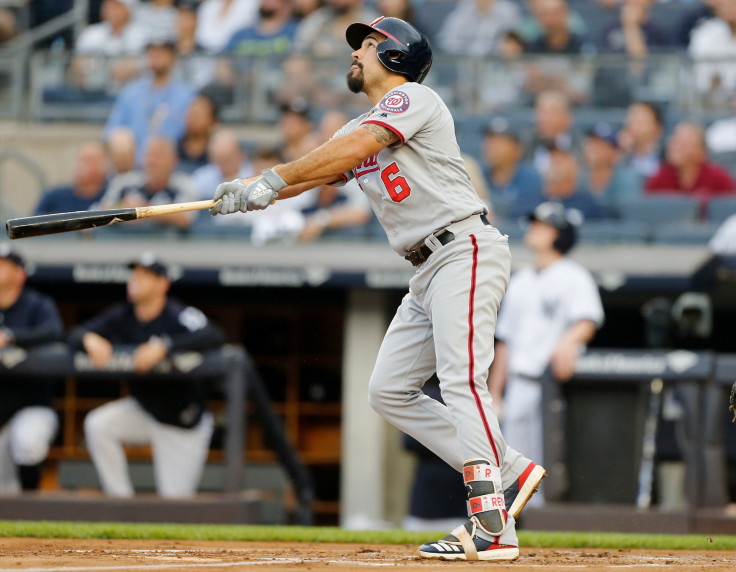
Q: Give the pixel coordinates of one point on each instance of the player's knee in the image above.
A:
(94, 425)
(29, 449)
(383, 398)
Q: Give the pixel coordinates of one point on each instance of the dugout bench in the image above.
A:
(232, 369)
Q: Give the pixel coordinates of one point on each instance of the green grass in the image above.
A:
(42, 529)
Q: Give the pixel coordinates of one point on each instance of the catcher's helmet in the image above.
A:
(565, 221)
(405, 50)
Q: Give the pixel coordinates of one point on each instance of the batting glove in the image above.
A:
(229, 198)
(264, 191)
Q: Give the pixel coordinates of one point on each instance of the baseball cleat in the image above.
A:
(463, 544)
(519, 493)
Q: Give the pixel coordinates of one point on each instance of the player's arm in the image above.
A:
(338, 155)
(498, 373)
(325, 164)
(565, 353)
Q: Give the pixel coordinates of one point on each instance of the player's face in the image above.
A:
(540, 236)
(365, 68)
(11, 275)
(144, 285)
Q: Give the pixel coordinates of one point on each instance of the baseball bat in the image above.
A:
(41, 225)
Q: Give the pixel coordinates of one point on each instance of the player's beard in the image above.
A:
(356, 81)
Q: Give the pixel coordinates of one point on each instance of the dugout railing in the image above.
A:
(230, 368)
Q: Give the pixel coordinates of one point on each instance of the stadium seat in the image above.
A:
(719, 209)
(654, 209)
(613, 232)
(698, 233)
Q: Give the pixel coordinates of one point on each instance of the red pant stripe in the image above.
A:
(471, 355)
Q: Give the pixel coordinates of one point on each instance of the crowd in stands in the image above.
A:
(163, 138)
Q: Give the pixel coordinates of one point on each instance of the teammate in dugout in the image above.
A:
(170, 415)
(404, 155)
(550, 312)
(27, 422)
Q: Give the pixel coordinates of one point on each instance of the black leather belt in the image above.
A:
(422, 252)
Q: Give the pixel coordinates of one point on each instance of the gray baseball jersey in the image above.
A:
(446, 323)
(419, 185)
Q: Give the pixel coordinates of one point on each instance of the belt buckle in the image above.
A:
(416, 257)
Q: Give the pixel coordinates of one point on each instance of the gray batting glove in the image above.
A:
(229, 198)
(264, 191)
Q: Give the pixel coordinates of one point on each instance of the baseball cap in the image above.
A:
(501, 126)
(556, 215)
(605, 131)
(162, 40)
(149, 261)
(6, 251)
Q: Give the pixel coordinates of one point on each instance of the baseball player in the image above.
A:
(170, 415)
(404, 155)
(550, 312)
(27, 422)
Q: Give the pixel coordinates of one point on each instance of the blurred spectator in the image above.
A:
(227, 161)
(604, 176)
(155, 104)
(157, 18)
(349, 211)
(88, 186)
(551, 311)
(121, 150)
(196, 65)
(200, 124)
(530, 29)
(218, 20)
(271, 34)
(721, 135)
(476, 27)
(115, 35)
(401, 9)
(8, 25)
(715, 40)
(508, 175)
(170, 415)
(303, 8)
(704, 10)
(156, 184)
(641, 138)
(636, 31)
(302, 77)
(322, 33)
(502, 83)
(562, 184)
(295, 127)
(688, 170)
(27, 422)
(553, 122)
(557, 36)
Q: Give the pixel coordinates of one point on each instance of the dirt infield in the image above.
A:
(30, 554)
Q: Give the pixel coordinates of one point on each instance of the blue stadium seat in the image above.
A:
(684, 233)
(654, 209)
(719, 209)
(613, 232)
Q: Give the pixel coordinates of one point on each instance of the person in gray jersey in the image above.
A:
(405, 158)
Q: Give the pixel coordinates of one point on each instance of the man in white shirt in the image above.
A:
(115, 35)
(714, 44)
(550, 312)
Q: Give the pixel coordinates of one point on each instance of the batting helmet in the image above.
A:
(565, 221)
(405, 50)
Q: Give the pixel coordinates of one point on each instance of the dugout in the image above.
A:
(313, 315)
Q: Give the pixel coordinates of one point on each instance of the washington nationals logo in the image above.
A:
(395, 102)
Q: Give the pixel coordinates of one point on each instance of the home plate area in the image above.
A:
(67, 555)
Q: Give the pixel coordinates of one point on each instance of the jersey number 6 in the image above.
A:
(398, 189)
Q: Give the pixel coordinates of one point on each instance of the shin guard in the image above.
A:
(485, 495)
